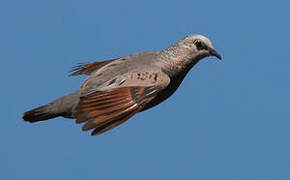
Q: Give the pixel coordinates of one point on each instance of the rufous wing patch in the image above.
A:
(86, 69)
(104, 110)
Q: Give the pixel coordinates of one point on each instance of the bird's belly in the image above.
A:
(166, 93)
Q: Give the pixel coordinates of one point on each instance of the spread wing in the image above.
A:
(104, 110)
(87, 69)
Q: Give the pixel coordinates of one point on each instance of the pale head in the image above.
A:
(198, 46)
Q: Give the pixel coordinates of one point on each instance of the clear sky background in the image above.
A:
(229, 120)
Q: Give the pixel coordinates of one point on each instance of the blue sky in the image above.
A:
(229, 120)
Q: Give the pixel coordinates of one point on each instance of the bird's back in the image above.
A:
(119, 68)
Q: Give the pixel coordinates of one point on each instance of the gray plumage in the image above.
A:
(117, 89)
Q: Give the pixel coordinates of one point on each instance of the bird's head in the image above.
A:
(198, 46)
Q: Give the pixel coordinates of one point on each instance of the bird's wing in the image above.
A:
(104, 110)
(87, 68)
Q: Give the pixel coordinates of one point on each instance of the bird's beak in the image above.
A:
(213, 52)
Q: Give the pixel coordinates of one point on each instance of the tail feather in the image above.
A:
(39, 114)
(60, 107)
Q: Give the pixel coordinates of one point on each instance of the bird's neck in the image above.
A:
(176, 61)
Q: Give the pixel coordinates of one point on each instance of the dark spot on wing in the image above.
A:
(139, 76)
(122, 82)
(111, 82)
(155, 77)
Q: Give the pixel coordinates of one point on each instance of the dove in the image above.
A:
(117, 89)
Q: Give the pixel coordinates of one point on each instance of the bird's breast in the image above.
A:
(167, 92)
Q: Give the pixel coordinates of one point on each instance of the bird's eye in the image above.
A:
(199, 45)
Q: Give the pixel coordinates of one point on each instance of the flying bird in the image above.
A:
(117, 89)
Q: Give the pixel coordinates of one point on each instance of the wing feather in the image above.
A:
(88, 68)
(103, 110)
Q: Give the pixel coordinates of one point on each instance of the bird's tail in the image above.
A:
(60, 107)
(39, 114)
